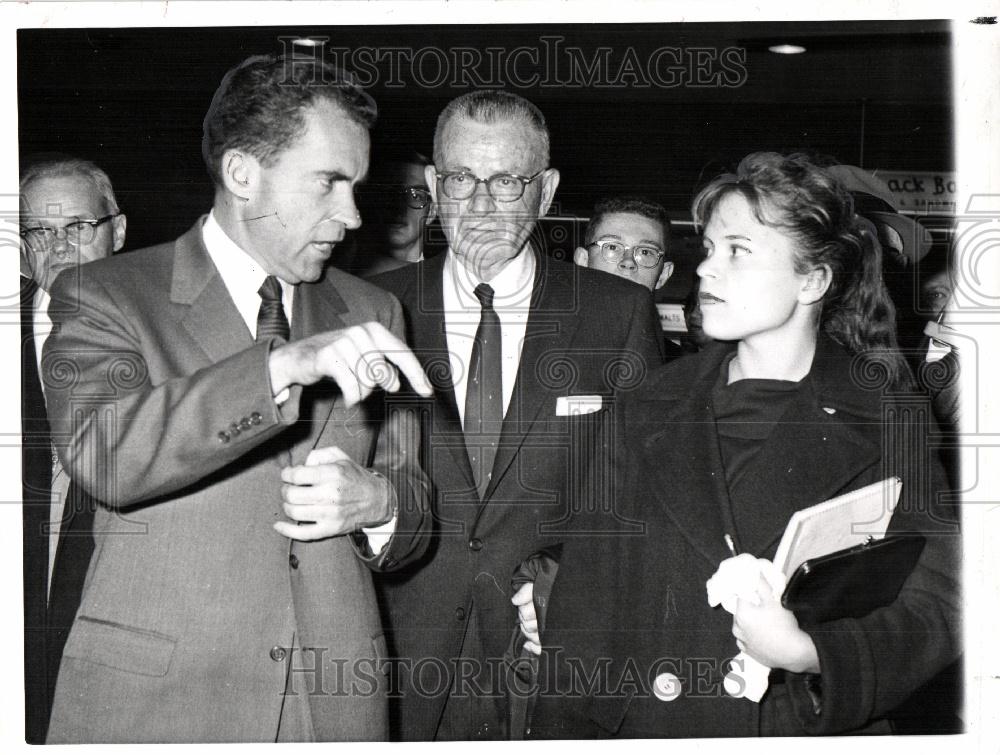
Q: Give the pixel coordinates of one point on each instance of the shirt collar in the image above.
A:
(512, 286)
(241, 274)
(238, 269)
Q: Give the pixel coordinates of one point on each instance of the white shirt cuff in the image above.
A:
(379, 536)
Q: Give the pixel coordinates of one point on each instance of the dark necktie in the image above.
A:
(271, 320)
(483, 397)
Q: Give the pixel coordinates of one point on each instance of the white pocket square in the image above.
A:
(571, 406)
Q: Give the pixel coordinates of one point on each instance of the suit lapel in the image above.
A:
(316, 308)
(548, 338)
(208, 313)
(429, 342)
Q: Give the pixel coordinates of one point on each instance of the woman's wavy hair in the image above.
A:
(799, 198)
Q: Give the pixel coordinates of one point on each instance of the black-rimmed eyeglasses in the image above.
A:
(644, 256)
(503, 187)
(415, 197)
(77, 233)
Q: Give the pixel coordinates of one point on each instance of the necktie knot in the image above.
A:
(270, 290)
(271, 320)
(484, 292)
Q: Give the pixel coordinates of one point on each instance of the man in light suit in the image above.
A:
(69, 216)
(527, 354)
(216, 393)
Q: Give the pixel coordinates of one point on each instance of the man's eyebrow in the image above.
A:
(334, 174)
(608, 236)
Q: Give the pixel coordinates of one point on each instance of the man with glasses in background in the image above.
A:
(398, 203)
(628, 237)
(527, 354)
(69, 216)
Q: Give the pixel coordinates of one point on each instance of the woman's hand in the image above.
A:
(770, 633)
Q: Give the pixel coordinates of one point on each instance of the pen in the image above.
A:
(730, 544)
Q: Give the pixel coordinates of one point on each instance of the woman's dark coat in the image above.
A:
(628, 608)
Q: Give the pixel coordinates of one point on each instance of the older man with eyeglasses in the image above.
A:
(528, 354)
(69, 216)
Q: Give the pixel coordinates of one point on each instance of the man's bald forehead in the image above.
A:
(488, 107)
(528, 136)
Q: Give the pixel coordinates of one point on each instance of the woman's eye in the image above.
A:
(740, 251)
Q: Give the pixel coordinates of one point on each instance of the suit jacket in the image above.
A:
(36, 481)
(50, 603)
(641, 601)
(588, 334)
(161, 406)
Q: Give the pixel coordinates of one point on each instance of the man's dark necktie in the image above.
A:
(483, 397)
(271, 320)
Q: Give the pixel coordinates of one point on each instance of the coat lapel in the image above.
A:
(207, 313)
(316, 308)
(429, 342)
(811, 456)
(552, 325)
(678, 447)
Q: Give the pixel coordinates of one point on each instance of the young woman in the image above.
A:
(802, 398)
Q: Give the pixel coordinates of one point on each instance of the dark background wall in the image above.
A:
(625, 116)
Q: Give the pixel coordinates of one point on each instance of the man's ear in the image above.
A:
(816, 283)
(550, 182)
(581, 257)
(118, 232)
(430, 178)
(668, 270)
(240, 171)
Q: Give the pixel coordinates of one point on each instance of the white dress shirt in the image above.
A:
(512, 301)
(59, 489)
(243, 277)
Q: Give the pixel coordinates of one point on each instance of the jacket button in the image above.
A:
(245, 424)
(255, 418)
(223, 437)
(234, 429)
(277, 653)
(293, 561)
(475, 544)
(459, 614)
(667, 687)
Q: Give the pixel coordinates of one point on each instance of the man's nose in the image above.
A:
(346, 211)
(627, 262)
(60, 244)
(482, 201)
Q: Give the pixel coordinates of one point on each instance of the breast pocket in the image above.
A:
(118, 646)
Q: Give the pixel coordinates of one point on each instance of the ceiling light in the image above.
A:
(787, 49)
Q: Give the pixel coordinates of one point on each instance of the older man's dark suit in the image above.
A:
(588, 334)
(161, 406)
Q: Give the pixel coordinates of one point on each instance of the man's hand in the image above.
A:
(770, 633)
(359, 359)
(331, 495)
(524, 600)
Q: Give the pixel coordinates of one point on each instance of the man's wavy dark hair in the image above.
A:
(259, 106)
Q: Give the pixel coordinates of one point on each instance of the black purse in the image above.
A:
(853, 582)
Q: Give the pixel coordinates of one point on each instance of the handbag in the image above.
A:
(853, 582)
